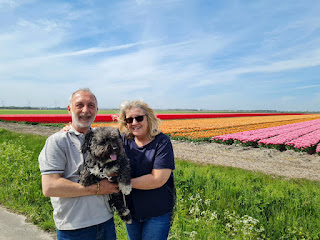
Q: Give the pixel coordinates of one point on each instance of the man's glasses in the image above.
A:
(137, 118)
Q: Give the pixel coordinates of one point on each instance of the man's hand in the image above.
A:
(107, 187)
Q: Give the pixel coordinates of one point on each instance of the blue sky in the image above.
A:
(193, 54)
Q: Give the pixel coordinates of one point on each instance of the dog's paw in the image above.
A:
(128, 221)
(126, 216)
(125, 189)
(95, 170)
(126, 213)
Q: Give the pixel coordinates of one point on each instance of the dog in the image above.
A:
(106, 158)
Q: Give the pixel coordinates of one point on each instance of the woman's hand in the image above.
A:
(66, 128)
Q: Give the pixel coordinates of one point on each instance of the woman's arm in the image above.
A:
(156, 179)
(53, 185)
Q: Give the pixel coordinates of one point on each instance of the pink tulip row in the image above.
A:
(255, 135)
(301, 136)
(305, 141)
(290, 135)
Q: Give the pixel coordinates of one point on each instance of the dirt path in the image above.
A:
(288, 164)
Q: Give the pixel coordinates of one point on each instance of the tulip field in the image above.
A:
(272, 130)
(205, 129)
(24, 116)
(303, 136)
(298, 132)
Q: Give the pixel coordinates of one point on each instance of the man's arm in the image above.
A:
(54, 185)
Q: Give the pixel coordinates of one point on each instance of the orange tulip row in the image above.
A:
(197, 129)
(104, 124)
(220, 126)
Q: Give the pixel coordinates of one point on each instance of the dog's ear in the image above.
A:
(87, 142)
(119, 132)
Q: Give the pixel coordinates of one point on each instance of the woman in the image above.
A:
(152, 162)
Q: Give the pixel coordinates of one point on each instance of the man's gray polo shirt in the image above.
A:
(61, 154)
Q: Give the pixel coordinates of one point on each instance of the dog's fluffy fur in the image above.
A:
(106, 157)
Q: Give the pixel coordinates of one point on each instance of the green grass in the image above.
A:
(212, 202)
(20, 177)
(285, 209)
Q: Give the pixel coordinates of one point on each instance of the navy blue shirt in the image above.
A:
(158, 154)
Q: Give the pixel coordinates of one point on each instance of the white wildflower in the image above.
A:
(214, 215)
(193, 234)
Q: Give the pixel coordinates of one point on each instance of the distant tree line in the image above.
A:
(34, 108)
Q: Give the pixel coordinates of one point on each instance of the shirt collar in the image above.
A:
(75, 132)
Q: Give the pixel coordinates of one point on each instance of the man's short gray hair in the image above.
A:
(82, 90)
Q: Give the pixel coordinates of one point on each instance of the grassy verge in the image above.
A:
(21, 182)
(212, 202)
(221, 203)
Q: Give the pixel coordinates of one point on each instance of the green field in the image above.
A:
(213, 202)
(103, 111)
(38, 111)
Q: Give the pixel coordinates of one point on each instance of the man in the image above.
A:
(79, 212)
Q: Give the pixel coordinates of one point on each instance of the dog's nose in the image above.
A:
(114, 147)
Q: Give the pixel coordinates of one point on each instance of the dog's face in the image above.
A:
(104, 143)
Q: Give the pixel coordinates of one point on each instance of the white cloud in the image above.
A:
(171, 53)
(8, 3)
(309, 86)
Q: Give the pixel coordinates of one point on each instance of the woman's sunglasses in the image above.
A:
(137, 118)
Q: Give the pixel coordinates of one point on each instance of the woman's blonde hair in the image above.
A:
(153, 121)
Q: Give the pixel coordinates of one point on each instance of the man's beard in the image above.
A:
(77, 122)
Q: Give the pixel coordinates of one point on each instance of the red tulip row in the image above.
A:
(65, 118)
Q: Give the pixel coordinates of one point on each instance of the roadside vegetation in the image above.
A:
(212, 202)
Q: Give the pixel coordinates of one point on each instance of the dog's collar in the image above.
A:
(109, 178)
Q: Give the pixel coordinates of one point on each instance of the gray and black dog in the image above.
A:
(106, 157)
